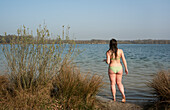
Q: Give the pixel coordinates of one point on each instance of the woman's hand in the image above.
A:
(126, 71)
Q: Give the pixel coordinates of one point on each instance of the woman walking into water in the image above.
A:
(115, 70)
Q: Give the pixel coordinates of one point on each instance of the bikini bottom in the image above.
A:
(115, 69)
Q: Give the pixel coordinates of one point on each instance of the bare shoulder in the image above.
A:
(120, 51)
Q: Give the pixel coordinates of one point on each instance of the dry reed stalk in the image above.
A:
(75, 89)
(161, 85)
(36, 69)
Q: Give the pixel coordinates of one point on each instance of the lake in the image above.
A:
(143, 60)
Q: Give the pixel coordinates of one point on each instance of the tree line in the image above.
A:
(147, 41)
(9, 38)
(15, 39)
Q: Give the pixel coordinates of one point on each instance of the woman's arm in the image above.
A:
(124, 62)
(108, 57)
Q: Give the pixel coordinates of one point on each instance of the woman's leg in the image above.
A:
(120, 85)
(112, 77)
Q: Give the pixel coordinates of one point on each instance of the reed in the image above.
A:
(161, 85)
(33, 62)
(43, 76)
(161, 88)
(13, 98)
(76, 90)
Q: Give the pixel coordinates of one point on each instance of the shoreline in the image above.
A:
(108, 104)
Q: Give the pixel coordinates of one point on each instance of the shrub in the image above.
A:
(161, 88)
(37, 67)
(76, 90)
(33, 62)
(161, 85)
(12, 98)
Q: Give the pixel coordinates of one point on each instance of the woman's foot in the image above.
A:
(114, 99)
(123, 99)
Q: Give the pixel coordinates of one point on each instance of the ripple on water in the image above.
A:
(144, 61)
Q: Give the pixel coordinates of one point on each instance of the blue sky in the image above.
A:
(90, 19)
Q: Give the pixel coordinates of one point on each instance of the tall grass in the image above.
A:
(13, 98)
(76, 90)
(161, 88)
(43, 76)
(33, 62)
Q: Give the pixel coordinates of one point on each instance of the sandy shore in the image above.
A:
(108, 104)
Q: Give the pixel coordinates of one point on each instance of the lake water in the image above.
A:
(144, 60)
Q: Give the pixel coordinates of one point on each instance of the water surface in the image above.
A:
(144, 61)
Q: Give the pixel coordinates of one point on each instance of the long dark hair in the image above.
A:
(113, 47)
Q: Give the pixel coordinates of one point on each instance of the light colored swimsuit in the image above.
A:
(115, 69)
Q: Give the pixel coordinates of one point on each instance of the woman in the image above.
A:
(115, 70)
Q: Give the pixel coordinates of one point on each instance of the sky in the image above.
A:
(90, 19)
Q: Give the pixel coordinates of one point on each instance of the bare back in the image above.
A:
(116, 62)
(111, 58)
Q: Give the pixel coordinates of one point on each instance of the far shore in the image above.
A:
(8, 39)
(145, 41)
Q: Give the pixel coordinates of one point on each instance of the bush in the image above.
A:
(33, 62)
(161, 87)
(12, 98)
(76, 90)
(36, 69)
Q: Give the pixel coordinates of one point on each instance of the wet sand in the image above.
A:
(108, 104)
